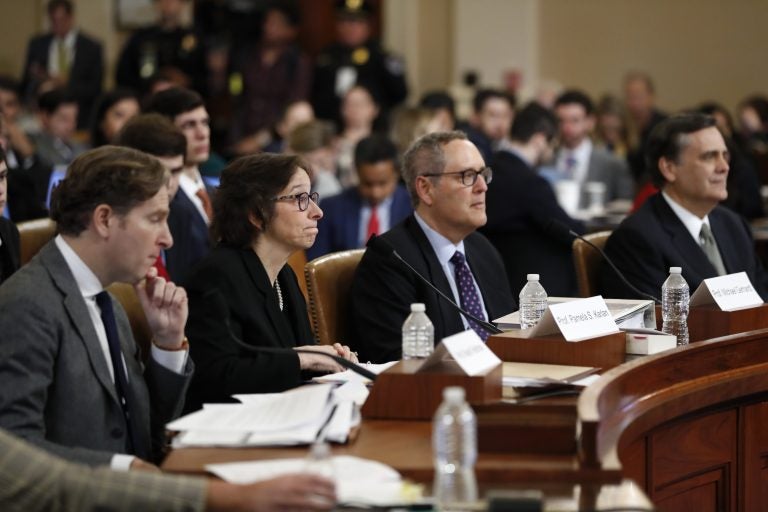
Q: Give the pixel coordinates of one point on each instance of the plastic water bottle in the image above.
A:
(418, 334)
(454, 445)
(675, 297)
(319, 460)
(533, 302)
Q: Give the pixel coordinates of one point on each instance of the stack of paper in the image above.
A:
(298, 416)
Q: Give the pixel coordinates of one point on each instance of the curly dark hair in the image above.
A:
(247, 190)
(116, 176)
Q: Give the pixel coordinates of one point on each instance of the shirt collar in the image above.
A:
(444, 248)
(190, 186)
(87, 282)
(691, 222)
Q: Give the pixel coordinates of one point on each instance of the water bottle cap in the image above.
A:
(453, 394)
(320, 450)
(532, 277)
(418, 307)
(675, 270)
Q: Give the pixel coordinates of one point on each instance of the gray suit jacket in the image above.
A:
(56, 391)
(608, 169)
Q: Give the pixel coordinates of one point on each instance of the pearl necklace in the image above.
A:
(279, 294)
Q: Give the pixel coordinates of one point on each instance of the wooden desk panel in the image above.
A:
(707, 322)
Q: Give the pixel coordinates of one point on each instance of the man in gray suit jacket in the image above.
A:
(73, 378)
(578, 159)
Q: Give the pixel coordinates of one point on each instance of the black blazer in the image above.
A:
(86, 73)
(653, 239)
(222, 367)
(191, 241)
(383, 289)
(520, 206)
(9, 250)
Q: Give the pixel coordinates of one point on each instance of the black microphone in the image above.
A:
(561, 230)
(488, 326)
(215, 297)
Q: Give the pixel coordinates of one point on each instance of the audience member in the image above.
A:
(34, 481)
(683, 226)
(443, 109)
(74, 379)
(191, 209)
(314, 141)
(113, 110)
(67, 57)
(371, 208)
(521, 205)
(359, 111)
(9, 235)
(244, 292)
(640, 101)
(55, 144)
(293, 115)
(157, 136)
(447, 180)
(491, 120)
(410, 123)
(273, 74)
(611, 127)
(166, 48)
(578, 159)
(355, 58)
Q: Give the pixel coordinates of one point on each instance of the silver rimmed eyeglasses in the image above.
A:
(301, 199)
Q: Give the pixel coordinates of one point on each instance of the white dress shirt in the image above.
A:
(690, 220)
(382, 211)
(581, 155)
(90, 286)
(445, 249)
(190, 187)
(53, 52)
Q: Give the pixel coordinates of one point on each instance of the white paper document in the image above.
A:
(358, 480)
(730, 292)
(348, 375)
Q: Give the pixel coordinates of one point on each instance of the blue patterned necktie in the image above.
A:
(124, 395)
(468, 297)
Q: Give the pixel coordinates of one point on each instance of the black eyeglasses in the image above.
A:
(468, 176)
(302, 199)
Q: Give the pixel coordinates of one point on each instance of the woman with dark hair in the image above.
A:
(113, 110)
(244, 292)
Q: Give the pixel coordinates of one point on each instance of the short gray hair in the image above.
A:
(426, 156)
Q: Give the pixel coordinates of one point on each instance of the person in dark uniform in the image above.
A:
(166, 47)
(356, 59)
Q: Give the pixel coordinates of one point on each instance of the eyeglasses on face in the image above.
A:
(468, 176)
(301, 199)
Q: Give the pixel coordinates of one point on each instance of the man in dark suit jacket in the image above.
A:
(689, 160)
(9, 235)
(447, 180)
(522, 205)
(74, 382)
(371, 208)
(79, 55)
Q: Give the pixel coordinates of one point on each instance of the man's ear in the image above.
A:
(101, 218)
(425, 189)
(668, 169)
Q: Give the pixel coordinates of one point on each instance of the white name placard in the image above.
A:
(469, 352)
(730, 292)
(584, 318)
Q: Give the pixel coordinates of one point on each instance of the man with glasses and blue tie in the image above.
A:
(447, 180)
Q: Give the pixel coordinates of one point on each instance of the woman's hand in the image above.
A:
(321, 363)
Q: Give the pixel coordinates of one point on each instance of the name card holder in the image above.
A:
(709, 321)
(602, 352)
(408, 392)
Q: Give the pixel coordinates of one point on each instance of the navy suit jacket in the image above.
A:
(653, 239)
(383, 289)
(191, 241)
(339, 228)
(520, 206)
(85, 75)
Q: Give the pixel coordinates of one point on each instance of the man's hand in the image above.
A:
(165, 306)
(142, 465)
(289, 492)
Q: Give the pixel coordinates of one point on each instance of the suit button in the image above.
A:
(117, 433)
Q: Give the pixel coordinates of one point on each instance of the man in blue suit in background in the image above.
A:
(371, 208)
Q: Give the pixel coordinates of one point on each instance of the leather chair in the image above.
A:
(127, 297)
(33, 235)
(328, 279)
(297, 261)
(587, 262)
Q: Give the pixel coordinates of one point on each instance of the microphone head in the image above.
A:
(559, 230)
